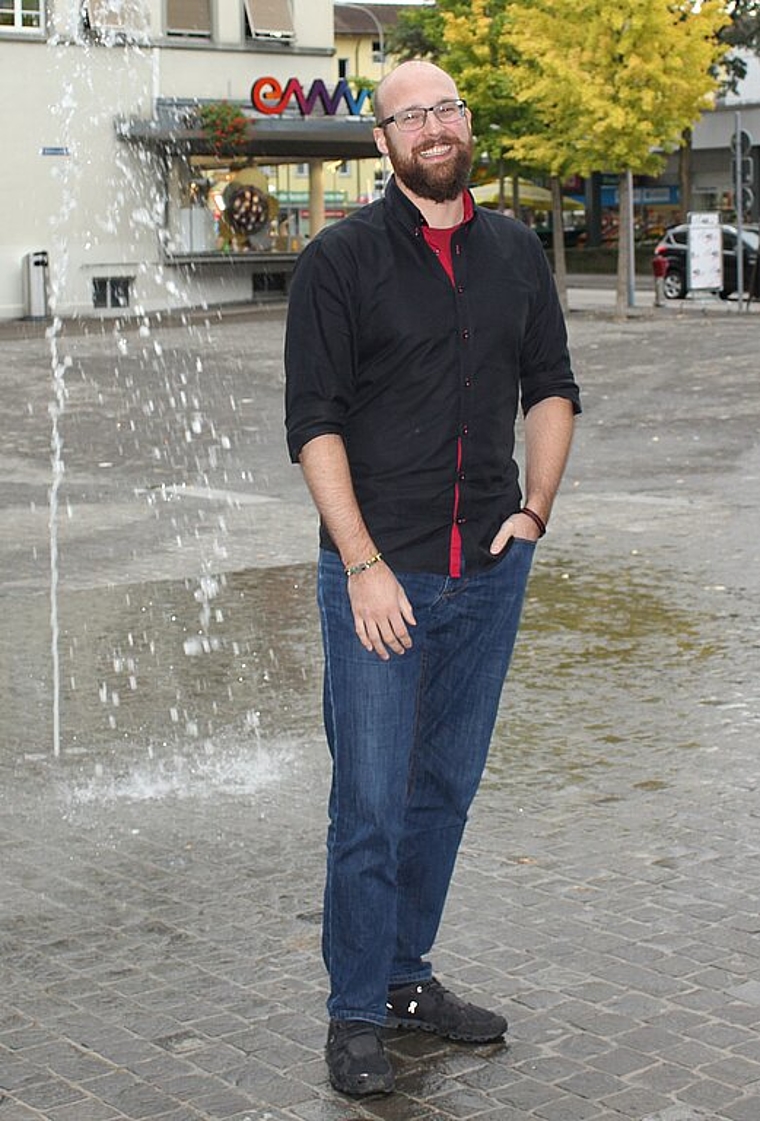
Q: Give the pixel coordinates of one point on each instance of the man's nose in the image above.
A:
(432, 126)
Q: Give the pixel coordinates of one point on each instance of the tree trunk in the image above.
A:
(516, 208)
(558, 242)
(625, 248)
(685, 174)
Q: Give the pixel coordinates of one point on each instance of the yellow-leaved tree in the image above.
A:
(475, 51)
(611, 87)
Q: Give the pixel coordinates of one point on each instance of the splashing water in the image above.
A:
(227, 767)
(56, 409)
(59, 364)
(81, 106)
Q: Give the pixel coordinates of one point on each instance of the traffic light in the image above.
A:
(743, 170)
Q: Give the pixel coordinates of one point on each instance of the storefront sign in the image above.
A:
(268, 96)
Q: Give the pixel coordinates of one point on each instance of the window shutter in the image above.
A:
(129, 17)
(188, 17)
(270, 19)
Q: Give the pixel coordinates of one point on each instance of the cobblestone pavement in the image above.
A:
(161, 856)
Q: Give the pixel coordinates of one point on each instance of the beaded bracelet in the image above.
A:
(352, 569)
(536, 519)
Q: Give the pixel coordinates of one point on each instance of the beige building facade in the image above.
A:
(121, 194)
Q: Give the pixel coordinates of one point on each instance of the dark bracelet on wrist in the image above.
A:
(537, 520)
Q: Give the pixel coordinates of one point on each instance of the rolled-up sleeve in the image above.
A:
(320, 348)
(545, 368)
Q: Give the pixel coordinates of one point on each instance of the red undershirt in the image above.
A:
(440, 243)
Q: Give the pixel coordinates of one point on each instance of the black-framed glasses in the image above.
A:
(412, 120)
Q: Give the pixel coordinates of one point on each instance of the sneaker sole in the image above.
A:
(459, 1037)
(372, 1087)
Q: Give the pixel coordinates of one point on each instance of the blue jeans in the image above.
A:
(409, 739)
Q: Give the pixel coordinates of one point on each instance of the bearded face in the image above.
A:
(436, 167)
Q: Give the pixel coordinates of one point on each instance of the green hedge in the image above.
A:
(603, 259)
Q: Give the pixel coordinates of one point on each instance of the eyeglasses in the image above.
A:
(412, 120)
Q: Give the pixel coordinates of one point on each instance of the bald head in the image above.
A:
(408, 84)
(431, 149)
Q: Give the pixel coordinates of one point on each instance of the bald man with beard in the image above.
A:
(417, 328)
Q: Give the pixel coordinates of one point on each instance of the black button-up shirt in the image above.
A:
(423, 378)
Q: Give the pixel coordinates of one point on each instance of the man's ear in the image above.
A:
(380, 141)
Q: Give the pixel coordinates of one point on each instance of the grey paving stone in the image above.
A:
(743, 1110)
(591, 1084)
(676, 1113)
(51, 1092)
(708, 1095)
(14, 1110)
(570, 1109)
(735, 1070)
(88, 1109)
(527, 1093)
(173, 941)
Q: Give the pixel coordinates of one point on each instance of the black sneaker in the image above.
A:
(356, 1060)
(427, 1006)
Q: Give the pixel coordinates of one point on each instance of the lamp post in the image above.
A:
(378, 27)
(381, 39)
(502, 204)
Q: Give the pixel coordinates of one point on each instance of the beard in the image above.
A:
(438, 182)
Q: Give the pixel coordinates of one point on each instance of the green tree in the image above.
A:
(743, 30)
(466, 38)
(741, 33)
(612, 87)
(480, 53)
(418, 32)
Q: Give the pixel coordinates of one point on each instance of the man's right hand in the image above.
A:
(381, 611)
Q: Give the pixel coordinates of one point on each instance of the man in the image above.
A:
(415, 329)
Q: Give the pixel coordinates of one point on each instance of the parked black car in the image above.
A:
(674, 246)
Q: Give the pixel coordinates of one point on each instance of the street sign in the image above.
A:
(743, 170)
(705, 252)
(741, 147)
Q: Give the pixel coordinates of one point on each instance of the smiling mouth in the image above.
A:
(436, 152)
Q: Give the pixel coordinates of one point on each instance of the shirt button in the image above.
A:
(460, 288)
(467, 383)
(461, 521)
(462, 476)
(465, 334)
(465, 430)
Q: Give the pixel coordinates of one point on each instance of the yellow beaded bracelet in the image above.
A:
(352, 569)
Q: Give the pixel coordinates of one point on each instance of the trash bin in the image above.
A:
(35, 284)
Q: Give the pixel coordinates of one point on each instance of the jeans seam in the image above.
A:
(327, 912)
(417, 710)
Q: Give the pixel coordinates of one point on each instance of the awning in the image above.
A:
(487, 194)
(296, 139)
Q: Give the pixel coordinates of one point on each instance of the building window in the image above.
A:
(21, 15)
(342, 67)
(343, 168)
(111, 291)
(269, 19)
(189, 17)
(377, 51)
(302, 170)
(125, 19)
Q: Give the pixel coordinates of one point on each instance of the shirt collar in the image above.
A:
(408, 213)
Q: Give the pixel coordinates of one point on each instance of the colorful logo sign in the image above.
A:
(268, 96)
